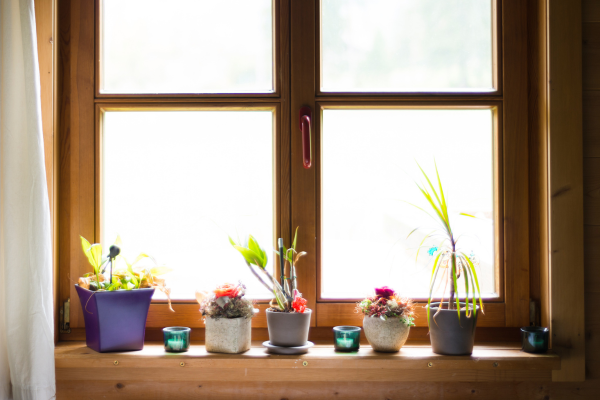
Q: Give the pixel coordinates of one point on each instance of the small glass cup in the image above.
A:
(346, 338)
(535, 339)
(177, 339)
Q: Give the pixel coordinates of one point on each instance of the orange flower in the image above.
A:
(299, 304)
(227, 289)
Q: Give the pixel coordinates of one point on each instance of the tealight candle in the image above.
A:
(177, 339)
(535, 339)
(346, 338)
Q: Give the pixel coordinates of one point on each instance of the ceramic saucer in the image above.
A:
(287, 350)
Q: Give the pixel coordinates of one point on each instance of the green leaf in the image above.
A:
(442, 209)
(453, 258)
(468, 215)
(255, 247)
(421, 244)
(444, 205)
(466, 278)
(472, 267)
(156, 271)
(95, 256)
(434, 272)
(233, 243)
(413, 231)
(295, 238)
(250, 256)
(85, 245)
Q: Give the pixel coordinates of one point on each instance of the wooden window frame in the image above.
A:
(297, 84)
(511, 308)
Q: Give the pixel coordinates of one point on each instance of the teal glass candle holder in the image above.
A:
(535, 339)
(177, 339)
(346, 338)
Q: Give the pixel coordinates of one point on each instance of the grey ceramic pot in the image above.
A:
(288, 329)
(448, 335)
(385, 336)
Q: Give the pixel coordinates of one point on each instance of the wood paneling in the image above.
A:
(303, 202)
(516, 163)
(591, 52)
(76, 362)
(591, 190)
(566, 187)
(591, 11)
(591, 123)
(76, 147)
(538, 160)
(44, 24)
(591, 246)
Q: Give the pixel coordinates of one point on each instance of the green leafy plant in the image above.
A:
(287, 296)
(123, 275)
(455, 263)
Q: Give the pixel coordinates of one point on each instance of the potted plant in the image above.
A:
(288, 319)
(115, 300)
(387, 319)
(228, 318)
(451, 323)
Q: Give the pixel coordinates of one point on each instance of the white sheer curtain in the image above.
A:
(26, 318)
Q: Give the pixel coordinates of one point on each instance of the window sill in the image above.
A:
(415, 362)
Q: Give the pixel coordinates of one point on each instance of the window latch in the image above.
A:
(65, 317)
(305, 121)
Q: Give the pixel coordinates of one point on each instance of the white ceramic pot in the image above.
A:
(223, 335)
(386, 336)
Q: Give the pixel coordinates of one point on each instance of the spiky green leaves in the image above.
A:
(252, 252)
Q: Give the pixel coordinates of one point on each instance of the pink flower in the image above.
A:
(227, 290)
(384, 292)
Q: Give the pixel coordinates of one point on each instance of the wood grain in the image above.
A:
(538, 160)
(591, 10)
(44, 26)
(566, 188)
(516, 162)
(76, 362)
(591, 122)
(591, 52)
(303, 202)
(76, 151)
(591, 191)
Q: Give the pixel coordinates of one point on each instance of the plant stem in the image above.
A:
(260, 278)
(453, 273)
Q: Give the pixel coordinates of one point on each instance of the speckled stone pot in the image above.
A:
(386, 336)
(225, 335)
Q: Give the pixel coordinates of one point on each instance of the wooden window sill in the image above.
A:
(415, 362)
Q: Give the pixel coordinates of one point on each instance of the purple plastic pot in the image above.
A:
(115, 321)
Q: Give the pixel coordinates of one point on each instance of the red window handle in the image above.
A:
(305, 117)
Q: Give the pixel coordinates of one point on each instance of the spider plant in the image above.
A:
(447, 255)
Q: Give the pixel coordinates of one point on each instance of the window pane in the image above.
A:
(175, 184)
(186, 46)
(406, 45)
(368, 180)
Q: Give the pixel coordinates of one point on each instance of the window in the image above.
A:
(183, 128)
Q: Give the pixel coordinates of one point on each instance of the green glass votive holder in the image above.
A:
(535, 339)
(346, 338)
(177, 339)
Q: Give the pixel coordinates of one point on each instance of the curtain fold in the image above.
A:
(26, 305)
